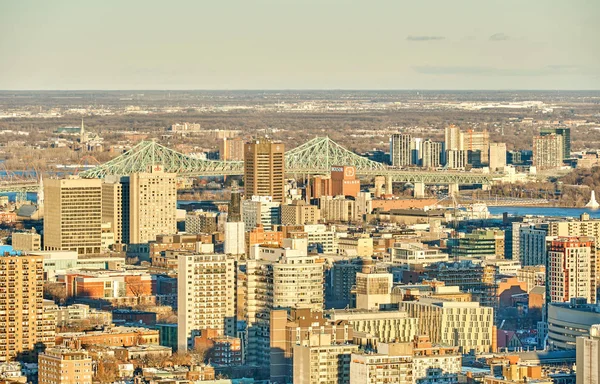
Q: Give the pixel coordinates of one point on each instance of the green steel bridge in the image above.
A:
(316, 156)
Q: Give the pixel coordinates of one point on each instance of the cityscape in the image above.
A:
(273, 216)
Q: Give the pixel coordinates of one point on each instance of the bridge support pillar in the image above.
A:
(453, 189)
(379, 182)
(419, 191)
(389, 189)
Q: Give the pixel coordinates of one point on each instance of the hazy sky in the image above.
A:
(304, 44)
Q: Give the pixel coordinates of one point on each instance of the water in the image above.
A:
(545, 211)
(12, 196)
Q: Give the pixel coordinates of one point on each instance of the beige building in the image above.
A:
(21, 305)
(582, 227)
(205, 296)
(231, 149)
(73, 215)
(456, 159)
(497, 156)
(299, 213)
(373, 288)
(588, 357)
(356, 246)
(477, 142)
(385, 326)
(324, 364)
(201, 222)
(381, 369)
(152, 205)
(431, 154)
(548, 151)
(112, 206)
(264, 169)
(465, 324)
(26, 241)
(338, 208)
(64, 366)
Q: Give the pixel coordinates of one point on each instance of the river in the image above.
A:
(545, 211)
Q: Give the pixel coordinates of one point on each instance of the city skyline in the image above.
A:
(300, 45)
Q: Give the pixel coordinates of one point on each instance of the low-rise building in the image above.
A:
(326, 363)
(59, 365)
(26, 241)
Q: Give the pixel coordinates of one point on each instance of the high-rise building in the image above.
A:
(324, 364)
(478, 142)
(532, 244)
(234, 242)
(431, 154)
(21, 305)
(456, 159)
(264, 169)
(588, 357)
(566, 135)
(290, 282)
(112, 206)
(497, 156)
(197, 222)
(152, 205)
(73, 215)
(344, 181)
(572, 269)
(481, 244)
(261, 210)
(379, 368)
(453, 138)
(60, 365)
(400, 149)
(231, 149)
(582, 227)
(234, 213)
(205, 296)
(548, 151)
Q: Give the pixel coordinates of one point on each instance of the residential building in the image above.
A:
(59, 365)
(480, 244)
(165, 246)
(231, 149)
(407, 254)
(323, 364)
(205, 296)
(582, 227)
(197, 222)
(477, 142)
(467, 325)
(299, 213)
(379, 368)
(453, 138)
(259, 236)
(588, 357)
(112, 206)
(235, 238)
(384, 326)
(548, 151)
(110, 336)
(400, 149)
(152, 205)
(264, 169)
(497, 156)
(21, 305)
(222, 350)
(456, 159)
(338, 208)
(431, 154)
(73, 215)
(373, 287)
(26, 241)
(532, 244)
(340, 281)
(322, 236)
(566, 138)
(361, 245)
(572, 269)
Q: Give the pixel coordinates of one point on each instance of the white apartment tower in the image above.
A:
(400, 149)
(206, 290)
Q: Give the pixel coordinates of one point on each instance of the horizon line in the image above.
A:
(302, 89)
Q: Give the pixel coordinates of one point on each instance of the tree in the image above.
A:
(107, 371)
(56, 292)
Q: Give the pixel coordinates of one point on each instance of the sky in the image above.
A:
(304, 44)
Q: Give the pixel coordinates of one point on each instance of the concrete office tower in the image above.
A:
(291, 282)
(234, 243)
(400, 149)
(467, 325)
(372, 288)
(478, 142)
(261, 210)
(112, 206)
(431, 154)
(65, 366)
(497, 156)
(26, 241)
(380, 368)
(572, 269)
(264, 169)
(324, 364)
(453, 138)
(566, 135)
(21, 305)
(299, 213)
(456, 159)
(588, 357)
(205, 296)
(152, 205)
(548, 151)
(231, 149)
(73, 215)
